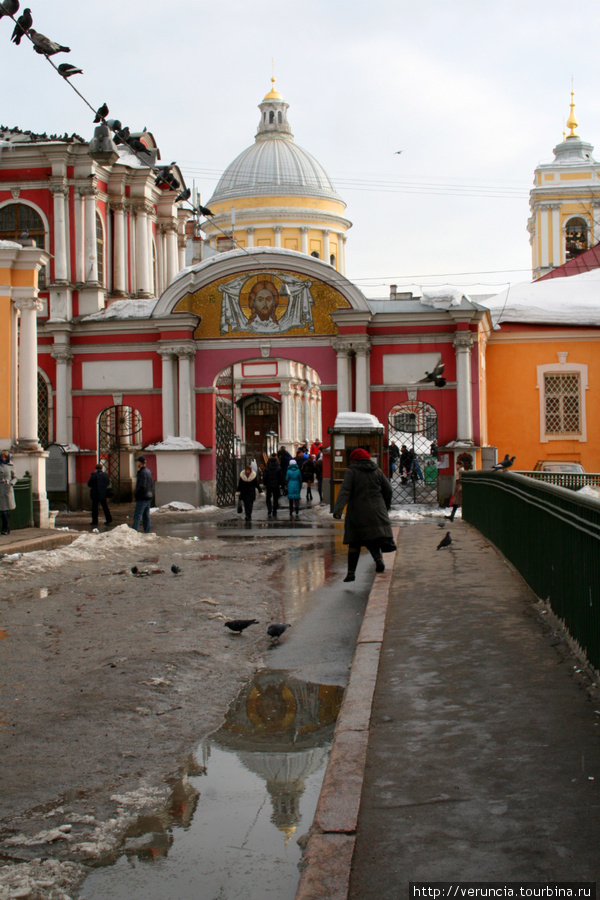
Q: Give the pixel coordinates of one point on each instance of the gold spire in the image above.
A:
(572, 122)
(273, 94)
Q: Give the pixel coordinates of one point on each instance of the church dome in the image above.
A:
(274, 165)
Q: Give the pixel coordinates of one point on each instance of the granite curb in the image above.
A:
(327, 860)
(31, 539)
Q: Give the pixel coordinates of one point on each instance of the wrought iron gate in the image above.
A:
(414, 426)
(226, 474)
(119, 430)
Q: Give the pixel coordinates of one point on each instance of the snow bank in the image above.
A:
(589, 491)
(175, 443)
(86, 547)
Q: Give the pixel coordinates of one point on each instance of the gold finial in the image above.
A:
(572, 122)
(273, 94)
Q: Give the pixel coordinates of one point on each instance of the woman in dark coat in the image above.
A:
(367, 494)
(247, 487)
(308, 475)
(99, 484)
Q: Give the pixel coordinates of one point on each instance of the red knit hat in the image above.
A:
(359, 453)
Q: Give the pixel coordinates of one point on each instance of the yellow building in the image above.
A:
(275, 194)
(565, 203)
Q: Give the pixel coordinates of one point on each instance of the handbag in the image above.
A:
(387, 545)
(110, 492)
(240, 508)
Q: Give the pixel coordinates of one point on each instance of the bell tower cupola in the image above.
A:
(273, 115)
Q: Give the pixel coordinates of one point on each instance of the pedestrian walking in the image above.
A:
(393, 456)
(272, 480)
(456, 498)
(247, 487)
(406, 462)
(144, 490)
(99, 484)
(315, 448)
(8, 477)
(294, 487)
(308, 476)
(319, 475)
(367, 495)
(284, 457)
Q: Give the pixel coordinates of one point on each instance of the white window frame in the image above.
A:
(562, 368)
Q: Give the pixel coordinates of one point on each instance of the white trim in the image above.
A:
(562, 368)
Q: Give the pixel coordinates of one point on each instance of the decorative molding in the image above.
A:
(62, 354)
(265, 350)
(23, 303)
(463, 341)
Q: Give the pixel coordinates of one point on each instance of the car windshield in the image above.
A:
(562, 467)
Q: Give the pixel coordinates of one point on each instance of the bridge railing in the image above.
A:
(552, 536)
(573, 480)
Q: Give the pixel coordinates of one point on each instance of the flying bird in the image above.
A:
(101, 113)
(238, 625)
(445, 541)
(24, 23)
(43, 44)
(436, 376)
(276, 630)
(505, 464)
(184, 195)
(66, 70)
(398, 152)
(175, 569)
(9, 8)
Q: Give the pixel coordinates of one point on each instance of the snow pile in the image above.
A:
(356, 420)
(443, 297)
(570, 301)
(589, 491)
(175, 443)
(418, 512)
(86, 547)
(124, 309)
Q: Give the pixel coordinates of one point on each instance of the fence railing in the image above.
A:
(572, 480)
(552, 537)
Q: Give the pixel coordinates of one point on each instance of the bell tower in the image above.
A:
(564, 202)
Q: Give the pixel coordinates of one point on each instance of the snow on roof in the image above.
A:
(442, 297)
(558, 301)
(124, 309)
(357, 420)
(10, 245)
(175, 443)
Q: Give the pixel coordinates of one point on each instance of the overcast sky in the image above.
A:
(474, 93)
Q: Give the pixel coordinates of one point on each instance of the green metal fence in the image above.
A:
(22, 516)
(552, 537)
(573, 480)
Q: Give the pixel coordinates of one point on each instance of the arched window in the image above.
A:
(100, 247)
(576, 237)
(332, 260)
(315, 254)
(17, 218)
(279, 119)
(271, 116)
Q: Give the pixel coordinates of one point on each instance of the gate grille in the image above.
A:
(415, 426)
(119, 429)
(224, 440)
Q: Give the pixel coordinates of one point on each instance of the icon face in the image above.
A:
(271, 303)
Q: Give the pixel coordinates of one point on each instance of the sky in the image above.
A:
(474, 93)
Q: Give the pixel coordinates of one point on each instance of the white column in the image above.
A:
(27, 437)
(363, 389)
(304, 233)
(170, 400)
(142, 263)
(285, 432)
(186, 358)
(546, 220)
(119, 283)
(342, 254)
(154, 289)
(326, 251)
(250, 236)
(172, 267)
(61, 271)
(90, 273)
(79, 238)
(278, 229)
(63, 356)
(344, 393)
(308, 436)
(557, 259)
(463, 341)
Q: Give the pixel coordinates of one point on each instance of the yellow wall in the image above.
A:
(513, 402)
(301, 202)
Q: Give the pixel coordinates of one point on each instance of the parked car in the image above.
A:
(559, 465)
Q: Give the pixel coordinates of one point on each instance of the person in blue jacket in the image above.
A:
(293, 480)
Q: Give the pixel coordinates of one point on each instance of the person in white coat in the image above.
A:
(8, 478)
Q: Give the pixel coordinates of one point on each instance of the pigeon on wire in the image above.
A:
(66, 70)
(9, 8)
(505, 464)
(24, 23)
(238, 625)
(101, 113)
(436, 376)
(43, 44)
(276, 630)
(445, 541)
(122, 134)
(184, 195)
(165, 176)
(204, 211)
(113, 124)
(175, 569)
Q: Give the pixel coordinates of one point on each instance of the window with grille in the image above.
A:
(17, 218)
(43, 411)
(562, 403)
(100, 247)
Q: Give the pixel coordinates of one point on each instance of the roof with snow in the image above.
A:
(559, 301)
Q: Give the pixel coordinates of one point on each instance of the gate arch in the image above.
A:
(414, 425)
(119, 433)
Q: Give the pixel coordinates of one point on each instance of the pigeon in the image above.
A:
(184, 195)
(175, 569)
(435, 376)
(43, 44)
(113, 124)
(122, 135)
(101, 113)
(445, 541)
(505, 464)
(397, 152)
(134, 570)
(24, 23)
(204, 211)
(66, 70)
(165, 176)
(9, 8)
(276, 630)
(238, 625)
(136, 145)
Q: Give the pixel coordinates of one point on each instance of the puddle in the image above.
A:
(231, 827)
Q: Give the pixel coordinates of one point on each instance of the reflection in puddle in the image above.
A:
(231, 826)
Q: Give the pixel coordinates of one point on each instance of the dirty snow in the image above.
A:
(175, 443)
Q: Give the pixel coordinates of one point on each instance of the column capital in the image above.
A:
(250, 229)
(62, 354)
(88, 190)
(304, 229)
(23, 303)
(463, 341)
(58, 186)
(277, 229)
(117, 205)
(342, 346)
(143, 208)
